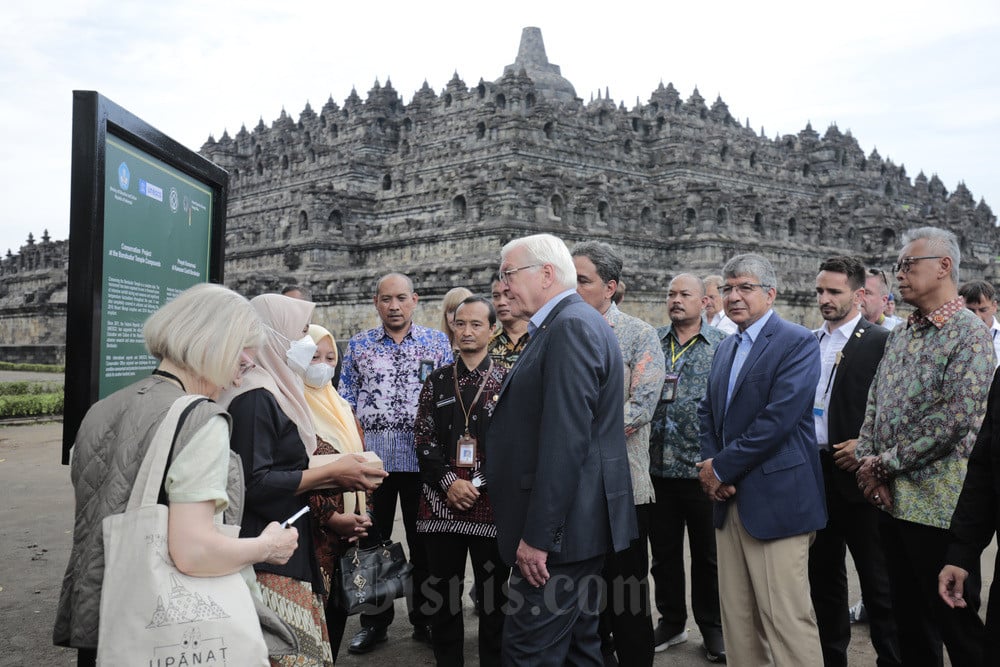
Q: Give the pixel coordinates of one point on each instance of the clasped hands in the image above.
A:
(872, 487)
(711, 485)
(462, 495)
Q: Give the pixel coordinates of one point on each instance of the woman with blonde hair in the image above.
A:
(274, 435)
(204, 341)
(449, 304)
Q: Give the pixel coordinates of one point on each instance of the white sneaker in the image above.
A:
(663, 643)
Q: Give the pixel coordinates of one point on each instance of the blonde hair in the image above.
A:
(204, 330)
(452, 298)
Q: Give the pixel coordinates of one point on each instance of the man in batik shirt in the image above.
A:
(627, 613)
(689, 346)
(507, 344)
(924, 410)
(384, 370)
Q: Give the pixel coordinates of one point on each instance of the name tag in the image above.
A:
(445, 401)
(818, 410)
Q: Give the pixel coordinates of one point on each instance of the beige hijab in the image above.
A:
(332, 415)
(284, 319)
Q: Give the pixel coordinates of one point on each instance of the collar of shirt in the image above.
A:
(381, 333)
(844, 329)
(483, 366)
(669, 333)
(754, 329)
(995, 328)
(539, 317)
(938, 317)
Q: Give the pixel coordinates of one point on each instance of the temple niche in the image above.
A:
(435, 186)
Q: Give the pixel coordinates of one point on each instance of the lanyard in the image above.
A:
(458, 392)
(170, 376)
(675, 357)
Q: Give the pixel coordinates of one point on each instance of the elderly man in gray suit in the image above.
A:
(556, 462)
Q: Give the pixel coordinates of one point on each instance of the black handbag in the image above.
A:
(370, 579)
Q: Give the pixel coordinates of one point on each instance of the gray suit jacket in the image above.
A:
(556, 463)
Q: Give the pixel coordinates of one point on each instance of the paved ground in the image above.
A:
(36, 521)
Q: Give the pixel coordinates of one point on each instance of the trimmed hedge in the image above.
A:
(34, 368)
(25, 388)
(31, 405)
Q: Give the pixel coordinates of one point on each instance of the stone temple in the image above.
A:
(435, 186)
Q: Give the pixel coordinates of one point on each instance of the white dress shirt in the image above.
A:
(831, 345)
(995, 332)
(723, 323)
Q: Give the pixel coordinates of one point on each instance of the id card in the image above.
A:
(426, 368)
(669, 392)
(465, 451)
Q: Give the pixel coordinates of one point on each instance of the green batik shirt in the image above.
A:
(925, 407)
(674, 447)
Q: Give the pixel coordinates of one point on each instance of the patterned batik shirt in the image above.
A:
(925, 407)
(505, 351)
(440, 422)
(382, 379)
(644, 370)
(674, 446)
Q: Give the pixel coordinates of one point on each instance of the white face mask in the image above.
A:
(319, 375)
(299, 355)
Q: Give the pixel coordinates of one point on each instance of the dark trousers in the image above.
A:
(625, 612)
(86, 657)
(407, 486)
(555, 625)
(336, 621)
(854, 526)
(681, 503)
(446, 563)
(914, 554)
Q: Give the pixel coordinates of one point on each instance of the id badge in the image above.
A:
(818, 410)
(465, 451)
(669, 392)
(426, 368)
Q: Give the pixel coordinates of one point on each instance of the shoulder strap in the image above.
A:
(149, 481)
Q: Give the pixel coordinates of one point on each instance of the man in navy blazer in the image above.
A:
(761, 468)
(556, 463)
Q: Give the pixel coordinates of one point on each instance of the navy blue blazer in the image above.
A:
(765, 442)
(556, 463)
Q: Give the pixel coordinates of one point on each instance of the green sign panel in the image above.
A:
(157, 233)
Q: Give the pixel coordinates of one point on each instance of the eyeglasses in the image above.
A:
(246, 364)
(904, 265)
(880, 274)
(743, 288)
(504, 276)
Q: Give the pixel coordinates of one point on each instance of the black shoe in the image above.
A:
(715, 648)
(664, 637)
(366, 639)
(422, 634)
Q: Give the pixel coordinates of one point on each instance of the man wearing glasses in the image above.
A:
(762, 470)
(556, 462)
(924, 410)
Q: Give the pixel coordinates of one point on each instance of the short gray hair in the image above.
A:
(546, 249)
(942, 241)
(204, 329)
(751, 264)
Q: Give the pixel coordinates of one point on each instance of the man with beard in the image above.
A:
(688, 347)
(850, 350)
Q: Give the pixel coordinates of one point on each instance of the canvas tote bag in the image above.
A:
(152, 614)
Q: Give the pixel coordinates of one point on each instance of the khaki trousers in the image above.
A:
(767, 613)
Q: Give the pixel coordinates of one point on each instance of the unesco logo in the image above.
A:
(123, 176)
(173, 199)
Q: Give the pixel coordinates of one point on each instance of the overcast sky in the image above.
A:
(919, 80)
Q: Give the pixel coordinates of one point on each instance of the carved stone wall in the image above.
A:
(434, 187)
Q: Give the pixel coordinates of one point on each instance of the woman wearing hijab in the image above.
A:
(340, 517)
(274, 435)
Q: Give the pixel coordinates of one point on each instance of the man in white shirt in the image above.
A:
(981, 299)
(850, 351)
(714, 314)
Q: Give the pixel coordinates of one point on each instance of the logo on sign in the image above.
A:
(173, 199)
(124, 176)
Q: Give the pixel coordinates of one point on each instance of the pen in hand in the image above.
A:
(295, 517)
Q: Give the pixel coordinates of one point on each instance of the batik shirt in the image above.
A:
(925, 407)
(504, 351)
(674, 446)
(382, 379)
(644, 372)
